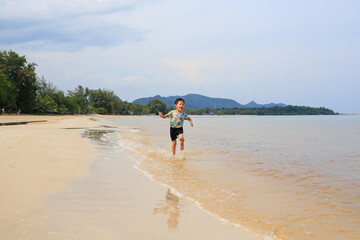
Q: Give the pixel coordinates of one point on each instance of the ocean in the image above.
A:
(277, 177)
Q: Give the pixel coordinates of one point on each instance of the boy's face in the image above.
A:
(179, 106)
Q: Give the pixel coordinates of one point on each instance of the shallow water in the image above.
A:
(115, 201)
(276, 177)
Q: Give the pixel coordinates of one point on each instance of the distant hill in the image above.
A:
(253, 104)
(196, 101)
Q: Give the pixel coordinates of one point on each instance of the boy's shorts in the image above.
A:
(175, 132)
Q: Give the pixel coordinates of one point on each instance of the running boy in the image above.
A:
(177, 118)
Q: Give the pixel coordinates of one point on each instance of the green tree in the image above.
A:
(119, 107)
(45, 104)
(138, 109)
(81, 96)
(45, 88)
(22, 75)
(156, 105)
(145, 110)
(102, 98)
(71, 105)
(7, 92)
(61, 102)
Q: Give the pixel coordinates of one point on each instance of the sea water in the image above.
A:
(278, 177)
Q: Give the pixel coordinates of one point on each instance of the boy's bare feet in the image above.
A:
(173, 157)
(182, 146)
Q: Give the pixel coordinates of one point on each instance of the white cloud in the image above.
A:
(64, 25)
(189, 71)
(45, 9)
(135, 81)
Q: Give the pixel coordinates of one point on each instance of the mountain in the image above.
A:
(253, 104)
(196, 101)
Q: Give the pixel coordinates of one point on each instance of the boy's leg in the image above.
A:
(182, 140)
(173, 147)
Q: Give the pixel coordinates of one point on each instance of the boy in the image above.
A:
(177, 118)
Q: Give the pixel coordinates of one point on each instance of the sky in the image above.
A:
(303, 53)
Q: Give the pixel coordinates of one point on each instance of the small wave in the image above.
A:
(154, 157)
(136, 130)
(197, 203)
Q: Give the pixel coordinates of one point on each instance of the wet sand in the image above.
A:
(57, 183)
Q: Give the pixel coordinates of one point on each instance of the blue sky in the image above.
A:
(294, 52)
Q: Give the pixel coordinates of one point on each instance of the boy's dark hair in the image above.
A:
(178, 100)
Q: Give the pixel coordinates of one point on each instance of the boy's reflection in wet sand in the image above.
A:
(170, 206)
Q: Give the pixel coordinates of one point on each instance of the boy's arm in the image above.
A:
(161, 115)
(191, 123)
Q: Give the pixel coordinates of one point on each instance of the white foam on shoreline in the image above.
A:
(200, 206)
(134, 146)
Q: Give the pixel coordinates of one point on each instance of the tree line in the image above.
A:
(21, 90)
(276, 110)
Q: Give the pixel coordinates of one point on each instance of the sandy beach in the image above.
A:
(37, 160)
(57, 184)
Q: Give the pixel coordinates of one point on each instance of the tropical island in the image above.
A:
(21, 90)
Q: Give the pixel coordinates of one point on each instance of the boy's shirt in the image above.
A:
(177, 120)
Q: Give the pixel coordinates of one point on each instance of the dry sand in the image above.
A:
(54, 184)
(37, 160)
